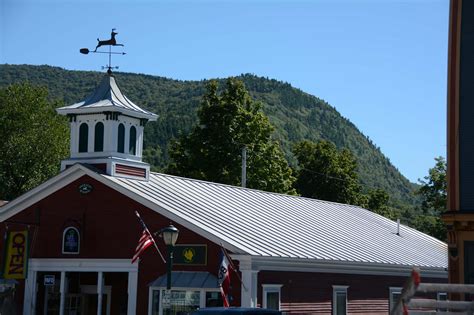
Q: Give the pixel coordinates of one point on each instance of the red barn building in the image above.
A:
(300, 255)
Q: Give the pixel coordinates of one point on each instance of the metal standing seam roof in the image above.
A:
(275, 225)
(107, 96)
(188, 279)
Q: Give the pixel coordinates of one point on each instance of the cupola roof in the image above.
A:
(107, 97)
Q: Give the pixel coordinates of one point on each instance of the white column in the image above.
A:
(132, 292)
(249, 282)
(110, 135)
(140, 141)
(29, 301)
(73, 138)
(100, 291)
(62, 291)
(249, 288)
(90, 145)
(127, 138)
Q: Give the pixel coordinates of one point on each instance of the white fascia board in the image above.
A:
(101, 109)
(260, 263)
(42, 191)
(82, 265)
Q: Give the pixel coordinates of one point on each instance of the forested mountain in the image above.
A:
(295, 114)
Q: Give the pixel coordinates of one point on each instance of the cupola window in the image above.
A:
(99, 137)
(83, 137)
(121, 139)
(132, 148)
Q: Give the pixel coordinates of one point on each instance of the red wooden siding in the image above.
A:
(311, 293)
(109, 229)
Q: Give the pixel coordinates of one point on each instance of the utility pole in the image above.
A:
(244, 166)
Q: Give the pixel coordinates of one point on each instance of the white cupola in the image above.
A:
(107, 132)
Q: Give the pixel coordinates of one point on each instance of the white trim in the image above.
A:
(132, 291)
(81, 265)
(202, 296)
(42, 191)
(334, 266)
(100, 291)
(271, 288)
(150, 300)
(98, 110)
(391, 301)
(335, 290)
(78, 241)
(29, 301)
(62, 292)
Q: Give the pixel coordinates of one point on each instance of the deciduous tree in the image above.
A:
(228, 121)
(433, 187)
(327, 173)
(34, 139)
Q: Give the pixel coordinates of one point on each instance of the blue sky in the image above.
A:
(382, 64)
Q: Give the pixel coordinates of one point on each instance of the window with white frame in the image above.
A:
(442, 296)
(339, 299)
(272, 296)
(182, 300)
(394, 295)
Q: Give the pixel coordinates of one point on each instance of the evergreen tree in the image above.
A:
(34, 139)
(326, 173)
(229, 121)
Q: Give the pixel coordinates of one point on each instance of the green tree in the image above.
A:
(228, 121)
(327, 173)
(433, 191)
(34, 139)
(377, 201)
(434, 186)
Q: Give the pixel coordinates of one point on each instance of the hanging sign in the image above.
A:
(16, 258)
(190, 254)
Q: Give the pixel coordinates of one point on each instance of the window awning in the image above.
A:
(188, 279)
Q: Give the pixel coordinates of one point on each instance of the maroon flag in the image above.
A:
(145, 241)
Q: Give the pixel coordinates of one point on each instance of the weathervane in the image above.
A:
(109, 42)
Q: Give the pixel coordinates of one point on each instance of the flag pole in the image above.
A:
(233, 266)
(151, 235)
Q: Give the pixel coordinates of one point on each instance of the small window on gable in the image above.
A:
(71, 240)
(83, 137)
(339, 300)
(99, 137)
(132, 148)
(121, 139)
(442, 296)
(395, 293)
(272, 296)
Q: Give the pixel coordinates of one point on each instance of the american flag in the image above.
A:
(145, 241)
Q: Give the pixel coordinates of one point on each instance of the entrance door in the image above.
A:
(89, 299)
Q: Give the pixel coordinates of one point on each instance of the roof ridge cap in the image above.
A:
(254, 189)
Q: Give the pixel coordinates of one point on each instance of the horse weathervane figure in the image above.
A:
(109, 42)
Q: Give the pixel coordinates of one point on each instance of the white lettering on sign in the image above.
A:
(49, 280)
